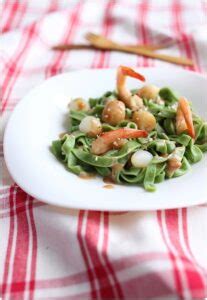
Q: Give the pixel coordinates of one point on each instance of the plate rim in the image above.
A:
(77, 205)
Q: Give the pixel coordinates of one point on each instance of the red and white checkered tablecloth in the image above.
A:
(53, 253)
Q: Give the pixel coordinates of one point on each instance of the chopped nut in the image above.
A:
(118, 143)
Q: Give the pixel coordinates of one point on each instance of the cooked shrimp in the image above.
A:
(184, 120)
(180, 121)
(133, 102)
(173, 164)
(105, 141)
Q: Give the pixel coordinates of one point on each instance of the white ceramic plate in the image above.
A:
(40, 117)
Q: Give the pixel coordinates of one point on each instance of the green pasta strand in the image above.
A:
(160, 110)
(159, 178)
(162, 136)
(159, 159)
(154, 107)
(202, 147)
(201, 134)
(128, 113)
(77, 115)
(94, 101)
(72, 164)
(133, 175)
(56, 149)
(184, 168)
(167, 113)
(169, 126)
(160, 168)
(129, 147)
(159, 128)
(149, 178)
(180, 151)
(182, 139)
(68, 144)
(104, 172)
(162, 146)
(124, 123)
(132, 125)
(74, 128)
(94, 160)
(168, 95)
(97, 110)
(107, 127)
(193, 153)
(198, 130)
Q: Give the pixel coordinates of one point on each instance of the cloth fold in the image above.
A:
(54, 253)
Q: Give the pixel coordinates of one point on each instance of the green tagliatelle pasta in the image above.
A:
(170, 152)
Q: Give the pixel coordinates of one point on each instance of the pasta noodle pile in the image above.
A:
(74, 148)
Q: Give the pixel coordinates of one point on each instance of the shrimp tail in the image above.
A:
(187, 115)
(130, 72)
(123, 92)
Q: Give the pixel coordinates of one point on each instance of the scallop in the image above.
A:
(114, 112)
(144, 120)
(91, 126)
(141, 158)
(149, 91)
(79, 104)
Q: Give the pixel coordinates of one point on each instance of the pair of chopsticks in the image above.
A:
(102, 43)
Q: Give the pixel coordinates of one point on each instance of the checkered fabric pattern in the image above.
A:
(53, 253)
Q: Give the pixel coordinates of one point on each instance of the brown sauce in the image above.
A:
(108, 180)
(87, 175)
(108, 186)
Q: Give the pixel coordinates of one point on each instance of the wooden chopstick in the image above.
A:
(101, 42)
(152, 54)
(65, 47)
